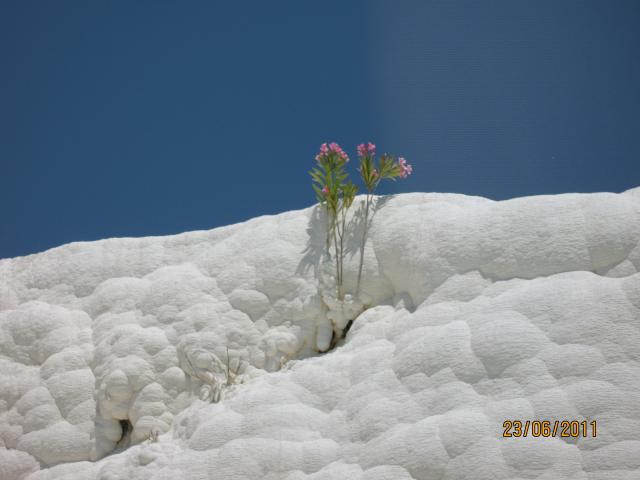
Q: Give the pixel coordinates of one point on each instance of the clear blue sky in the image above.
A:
(122, 118)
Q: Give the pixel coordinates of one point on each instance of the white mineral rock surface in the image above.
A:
(475, 312)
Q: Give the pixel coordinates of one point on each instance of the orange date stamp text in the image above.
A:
(549, 428)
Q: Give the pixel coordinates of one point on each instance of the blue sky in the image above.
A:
(155, 117)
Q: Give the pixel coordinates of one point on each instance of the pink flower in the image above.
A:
(325, 190)
(366, 149)
(372, 148)
(335, 148)
(405, 168)
(324, 149)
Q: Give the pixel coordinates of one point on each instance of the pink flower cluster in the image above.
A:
(333, 147)
(366, 149)
(405, 168)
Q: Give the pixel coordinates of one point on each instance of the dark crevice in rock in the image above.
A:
(126, 427)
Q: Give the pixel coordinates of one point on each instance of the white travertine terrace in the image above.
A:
(481, 311)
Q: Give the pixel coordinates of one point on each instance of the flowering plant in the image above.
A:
(336, 193)
(372, 173)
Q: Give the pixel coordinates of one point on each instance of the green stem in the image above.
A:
(364, 239)
(328, 239)
(344, 216)
(338, 277)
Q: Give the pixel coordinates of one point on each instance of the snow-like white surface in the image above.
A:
(481, 311)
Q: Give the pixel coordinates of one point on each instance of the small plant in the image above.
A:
(217, 376)
(152, 436)
(336, 193)
(371, 174)
(233, 373)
